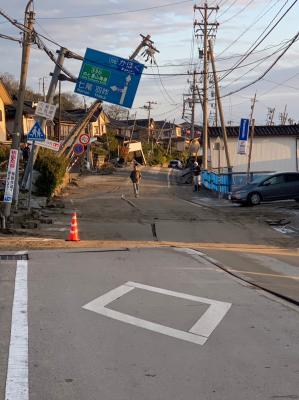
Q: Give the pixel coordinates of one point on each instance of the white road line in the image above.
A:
(283, 229)
(17, 370)
(198, 333)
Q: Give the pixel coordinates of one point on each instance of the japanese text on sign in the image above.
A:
(45, 110)
(11, 176)
(110, 78)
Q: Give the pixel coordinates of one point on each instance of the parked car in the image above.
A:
(176, 164)
(282, 186)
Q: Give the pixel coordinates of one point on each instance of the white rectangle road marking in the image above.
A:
(17, 370)
(109, 297)
(198, 334)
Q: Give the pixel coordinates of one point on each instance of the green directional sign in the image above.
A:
(95, 74)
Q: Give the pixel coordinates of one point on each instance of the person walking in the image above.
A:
(196, 177)
(135, 177)
(26, 154)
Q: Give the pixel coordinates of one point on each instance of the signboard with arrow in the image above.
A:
(109, 78)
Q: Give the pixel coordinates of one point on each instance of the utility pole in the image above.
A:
(193, 105)
(217, 94)
(270, 116)
(207, 28)
(148, 45)
(252, 124)
(149, 107)
(18, 122)
(283, 116)
(189, 102)
(59, 107)
(43, 121)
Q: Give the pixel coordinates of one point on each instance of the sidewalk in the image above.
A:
(209, 199)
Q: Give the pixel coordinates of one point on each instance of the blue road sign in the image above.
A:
(244, 129)
(109, 78)
(36, 133)
(78, 149)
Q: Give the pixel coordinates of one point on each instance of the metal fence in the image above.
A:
(225, 182)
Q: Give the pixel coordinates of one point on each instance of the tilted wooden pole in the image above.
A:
(217, 94)
(250, 148)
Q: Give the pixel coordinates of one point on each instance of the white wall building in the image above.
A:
(275, 148)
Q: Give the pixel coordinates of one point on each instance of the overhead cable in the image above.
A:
(117, 12)
(258, 42)
(265, 72)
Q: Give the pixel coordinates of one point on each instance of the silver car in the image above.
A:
(282, 186)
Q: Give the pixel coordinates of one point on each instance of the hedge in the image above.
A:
(52, 170)
(4, 153)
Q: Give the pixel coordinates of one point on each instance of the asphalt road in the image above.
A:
(183, 314)
(243, 344)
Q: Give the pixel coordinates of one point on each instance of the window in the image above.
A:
(292, 177)
(275, 180)
(1, 116)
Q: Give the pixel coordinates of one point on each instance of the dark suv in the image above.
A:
(282, 186)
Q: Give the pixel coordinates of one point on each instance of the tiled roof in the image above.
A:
(165, 125)
(128, 123)
(10, 110)
(69, 116)
(262, 131)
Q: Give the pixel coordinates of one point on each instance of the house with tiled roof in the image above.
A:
(62, 124)
(275, 148)
(5, 100)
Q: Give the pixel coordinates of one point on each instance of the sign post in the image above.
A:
(11, 175)
(110, 78)
(243, 136)
(36, 134)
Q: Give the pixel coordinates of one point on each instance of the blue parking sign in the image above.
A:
(244, 129)
(243, 136)
(109, 78)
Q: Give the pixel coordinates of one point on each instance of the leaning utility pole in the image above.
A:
(217, 94)
(252, 124)
(147, 45)
(41, 120)
(207, 28)
(18, 122)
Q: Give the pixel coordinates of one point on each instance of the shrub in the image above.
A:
(52, 170)
(4, 153)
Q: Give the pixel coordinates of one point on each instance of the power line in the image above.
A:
(237, 13)
(249, 27)
(258, 42)
(10, 38)
(228, 8)
(259, 62)
(117, 12)
(267, 70)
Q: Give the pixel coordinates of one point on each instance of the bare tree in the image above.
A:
(116, 112)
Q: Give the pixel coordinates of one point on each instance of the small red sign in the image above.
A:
(84, 138)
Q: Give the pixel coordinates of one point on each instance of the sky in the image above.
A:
(114, 26)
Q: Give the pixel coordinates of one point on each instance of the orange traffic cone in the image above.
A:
(74, 234)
